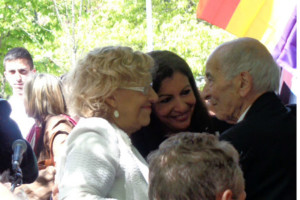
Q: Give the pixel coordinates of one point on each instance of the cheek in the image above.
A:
(189, 100)
(138, 109)
(9, 78)
(192, 99)
(219, 95)
(215, 89)
(224, 104)
(24, 77)
(162, 110)
(228, 104)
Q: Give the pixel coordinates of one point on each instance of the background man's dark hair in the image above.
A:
(18, 53)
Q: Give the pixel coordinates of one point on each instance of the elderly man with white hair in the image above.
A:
(241, 84)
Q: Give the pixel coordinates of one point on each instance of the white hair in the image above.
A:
(248, 54)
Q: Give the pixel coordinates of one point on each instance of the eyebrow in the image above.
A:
(18, 69)
(168, 95)
(208, 75)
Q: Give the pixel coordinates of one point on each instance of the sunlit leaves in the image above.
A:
(59, 32)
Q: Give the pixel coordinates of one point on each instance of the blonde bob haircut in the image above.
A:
(43, 96)
(100, 73)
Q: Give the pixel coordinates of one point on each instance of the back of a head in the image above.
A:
(248, 54)
(191, 166)
(9, 133)
(5, 109)
(98, 74)
(18, 53)
(43, 94)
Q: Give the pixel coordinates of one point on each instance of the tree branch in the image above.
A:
(34, 38)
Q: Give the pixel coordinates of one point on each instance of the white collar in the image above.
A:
(123, 135)
(243, 115)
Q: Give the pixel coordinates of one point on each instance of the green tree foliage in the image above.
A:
(28, 24)
(59, 32)
(177, 29)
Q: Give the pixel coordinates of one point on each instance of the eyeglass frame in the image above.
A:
(145, 90)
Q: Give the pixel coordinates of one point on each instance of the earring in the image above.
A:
(116, 114)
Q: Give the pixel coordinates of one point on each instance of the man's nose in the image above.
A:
(18, 75)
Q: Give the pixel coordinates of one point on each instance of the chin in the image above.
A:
(181, 128)
(145, 122)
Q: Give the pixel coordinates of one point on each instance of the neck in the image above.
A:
(18, 97)
(248, 101)
(119, 124)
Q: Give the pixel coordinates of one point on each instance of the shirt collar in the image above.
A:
(123, 135)
(243, 115)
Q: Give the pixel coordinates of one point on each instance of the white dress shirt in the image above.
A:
(243, 115)
(18, 114)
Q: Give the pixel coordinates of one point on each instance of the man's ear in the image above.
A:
(246, 83)
(227, 195)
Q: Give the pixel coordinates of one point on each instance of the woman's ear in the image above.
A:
(111, 101)
(246, 83)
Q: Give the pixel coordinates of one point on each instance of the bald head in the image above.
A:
(237, 73)
(248, 54)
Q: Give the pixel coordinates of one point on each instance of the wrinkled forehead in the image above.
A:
(18, 64)
(213, 63)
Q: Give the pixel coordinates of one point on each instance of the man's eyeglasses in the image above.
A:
(145, 90)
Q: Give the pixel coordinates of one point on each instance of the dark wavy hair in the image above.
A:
(166, 64)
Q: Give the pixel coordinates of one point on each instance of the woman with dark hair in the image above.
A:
(179, 107)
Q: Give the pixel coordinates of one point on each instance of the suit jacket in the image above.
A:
(9, 132)
(100, 162)
(266, 141)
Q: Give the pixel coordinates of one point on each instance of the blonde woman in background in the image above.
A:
(111, 92)
(44, 101)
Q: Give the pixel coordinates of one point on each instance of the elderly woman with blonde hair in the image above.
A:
(111, 92)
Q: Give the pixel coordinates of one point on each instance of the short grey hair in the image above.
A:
(248, 54)
(194, 166)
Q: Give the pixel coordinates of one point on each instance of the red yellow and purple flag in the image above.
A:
(273, 22)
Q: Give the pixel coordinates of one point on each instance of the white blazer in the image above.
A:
(101, 163)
